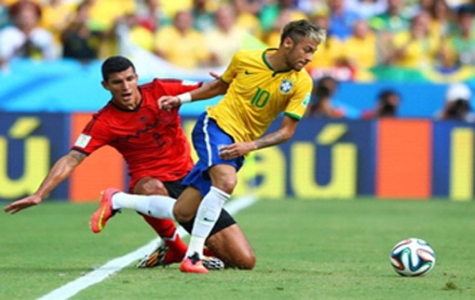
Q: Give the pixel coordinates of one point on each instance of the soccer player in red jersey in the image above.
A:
(157, 153)
(258, 85)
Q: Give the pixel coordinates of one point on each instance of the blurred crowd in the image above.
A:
(456, 104)
(363, 34)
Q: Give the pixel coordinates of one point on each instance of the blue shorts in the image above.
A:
(207, 138)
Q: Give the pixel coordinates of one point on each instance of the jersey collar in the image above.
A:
(127, 110)
(268, 64)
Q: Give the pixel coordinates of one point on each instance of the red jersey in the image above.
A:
(151, 140)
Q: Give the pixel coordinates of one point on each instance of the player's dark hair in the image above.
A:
(297, 30)
(115, 64)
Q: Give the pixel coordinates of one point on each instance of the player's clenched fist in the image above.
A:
(168, 102)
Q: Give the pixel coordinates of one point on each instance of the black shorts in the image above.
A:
(175, 188)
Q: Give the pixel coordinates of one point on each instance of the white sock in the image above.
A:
(157, 206)
(206, 217)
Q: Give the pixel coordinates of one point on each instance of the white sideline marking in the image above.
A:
(72, 288)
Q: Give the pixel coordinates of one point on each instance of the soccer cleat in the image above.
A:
(193, 264)
(161, 257)
(104, 212)
(212, 263)
(156, 258)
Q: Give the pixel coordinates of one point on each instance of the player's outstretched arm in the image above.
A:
(60, 171)
(206, 91)
(21, 204)
(285, 132)
(210, 89)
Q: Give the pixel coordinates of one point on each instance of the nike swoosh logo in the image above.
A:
(249, 73)
(208, 220)
(101, 216)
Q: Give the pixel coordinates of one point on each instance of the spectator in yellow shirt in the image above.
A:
(105, 13)
(56, 15)
(151, 15)
(246, 16)
(360, 49)
(441, 18)
(272, 38)
(226, 38)
(329, 52)
(137, 34)
(415, 48)
(180, 44)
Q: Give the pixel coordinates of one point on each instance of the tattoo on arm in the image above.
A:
(270, 140)
(79, 156)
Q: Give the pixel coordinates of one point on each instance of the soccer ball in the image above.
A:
(412, 257)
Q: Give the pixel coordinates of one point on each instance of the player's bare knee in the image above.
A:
(182, 215)
(227, 185)
(248, 261)
(150, 186)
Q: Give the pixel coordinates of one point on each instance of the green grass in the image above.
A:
(305, 250)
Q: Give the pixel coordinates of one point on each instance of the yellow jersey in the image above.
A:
(257, 95)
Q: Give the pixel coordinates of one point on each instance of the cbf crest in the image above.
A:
(285, 86)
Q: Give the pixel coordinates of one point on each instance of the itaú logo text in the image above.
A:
(36, 159)
(270, 173)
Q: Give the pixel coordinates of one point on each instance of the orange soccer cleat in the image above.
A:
(104, 212)
(193, 264)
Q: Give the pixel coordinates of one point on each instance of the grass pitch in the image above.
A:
(328, 249)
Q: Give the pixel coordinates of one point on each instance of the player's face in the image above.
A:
(124, 89)
(299, 54)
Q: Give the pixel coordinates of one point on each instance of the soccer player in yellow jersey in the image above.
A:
(258, 86)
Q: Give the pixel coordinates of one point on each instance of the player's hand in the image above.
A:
(168, 102)
(235, 150)
(22, 204)
(214, 75)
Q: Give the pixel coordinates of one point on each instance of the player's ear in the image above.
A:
(288, 43)
(105, 85)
